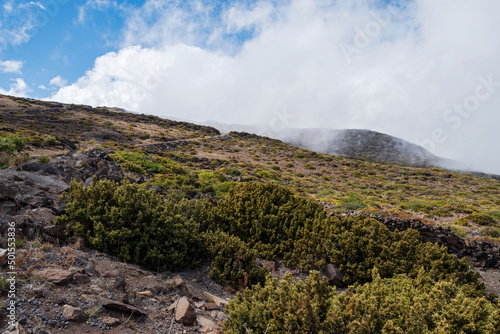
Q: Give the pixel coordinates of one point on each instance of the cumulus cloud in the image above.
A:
(58, 81)
(338, 64)
(17, 88)
(11, 66)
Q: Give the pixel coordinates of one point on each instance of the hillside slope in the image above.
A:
(95, 192)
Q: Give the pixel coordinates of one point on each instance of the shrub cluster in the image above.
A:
(135, 224)
(409, 286)
(233, 261)
(395, 305)
(12, 144)
(10, 148)
(279, 224)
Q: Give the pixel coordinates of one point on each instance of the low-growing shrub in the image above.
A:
(11, 144)
(287, 306)
(133, 167)
(482, 219)
(394, 305)
(134, 224)
(233, 262)
(50, 141)
(279, 224)
(43, 160)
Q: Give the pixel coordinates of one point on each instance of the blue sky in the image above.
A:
(423, 70)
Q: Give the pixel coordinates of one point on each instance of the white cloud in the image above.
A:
(17, 88)
(18, 21)
(402, 71)
(58, 81)
(95, 5)
(11, 66)
(238, 18)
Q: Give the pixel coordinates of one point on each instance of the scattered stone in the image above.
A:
(194, 290)
(216, 300)
(218, 315)
(110, 321)
(206, 324)
(172, 307)
(123, 308)
(333, 275)
(211, 306)
(81, 278)
(71, 313)
(57, 276)
(8, 208)
(184, 312)
(177, 283)
(146, 293)
(491, 261)
(95, 289)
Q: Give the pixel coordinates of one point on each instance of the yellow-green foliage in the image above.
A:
(135, 224)
(395, 305)
(133, 167)
(483, 219)
(360, 244)
(284, 307)
(405, 305)
(10, 148)
(151, 164)
(11, 144)
(233, 262)
(269, 218)
(279, 224)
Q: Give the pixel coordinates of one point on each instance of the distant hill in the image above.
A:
(365, 145)
(353, 143)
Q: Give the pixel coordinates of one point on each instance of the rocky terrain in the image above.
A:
(64, 286)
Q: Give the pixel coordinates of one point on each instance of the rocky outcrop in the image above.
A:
(30, 195)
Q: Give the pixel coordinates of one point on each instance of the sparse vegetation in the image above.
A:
(236, 198)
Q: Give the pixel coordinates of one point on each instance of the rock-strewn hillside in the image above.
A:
(235, 193)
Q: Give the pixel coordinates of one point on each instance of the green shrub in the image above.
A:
(404, 305)
(279, 224)
(144, 135)
(107, 124)
(35, 141)
(151, 164)
(50, 141)
(286, 307)
(12, 144)
(361, 244)
(233, 262)
(395, 305)
(134, 224)
(482, 219)
(43, 160)
(270, 219)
